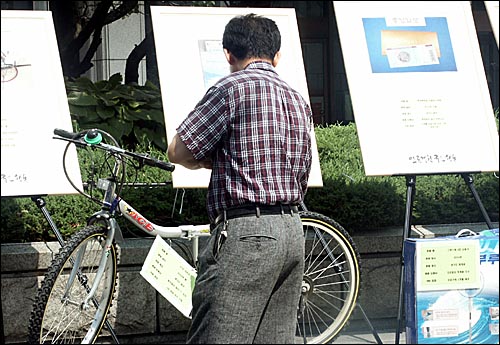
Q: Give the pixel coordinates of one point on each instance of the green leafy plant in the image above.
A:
(130, 112)
(361, 202)
(358, 202)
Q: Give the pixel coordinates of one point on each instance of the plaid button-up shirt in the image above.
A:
(256, 129)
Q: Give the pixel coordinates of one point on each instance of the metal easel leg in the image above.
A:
(410, 195)
(469, 181)
(40, 203)
(374, 332)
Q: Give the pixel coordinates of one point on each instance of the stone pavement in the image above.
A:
(366, 337)
(356, 332)
(359, 332)
(361, 337)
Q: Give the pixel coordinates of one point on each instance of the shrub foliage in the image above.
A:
(356, 201)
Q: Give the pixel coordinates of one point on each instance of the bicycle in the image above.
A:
(77, 290)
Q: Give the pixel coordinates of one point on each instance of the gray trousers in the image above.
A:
(248, 284)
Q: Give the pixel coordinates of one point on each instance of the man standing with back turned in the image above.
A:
(253, 130)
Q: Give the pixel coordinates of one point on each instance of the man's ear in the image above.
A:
(276, 58)
(229, 57)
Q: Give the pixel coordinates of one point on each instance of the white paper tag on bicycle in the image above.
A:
(171, 275)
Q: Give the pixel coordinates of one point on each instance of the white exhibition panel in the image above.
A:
(34, 102)
(188, 43)
(420, 96)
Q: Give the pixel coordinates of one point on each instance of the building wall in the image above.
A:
(118, 40)
(139, 310)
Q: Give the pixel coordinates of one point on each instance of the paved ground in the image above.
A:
(384, 337)
(359, 332)
(367, 337)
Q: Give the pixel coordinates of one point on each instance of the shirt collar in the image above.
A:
(260, 65)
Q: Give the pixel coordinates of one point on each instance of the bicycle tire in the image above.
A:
(331, 281)
(59, 319)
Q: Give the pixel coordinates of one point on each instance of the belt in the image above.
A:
(249, 210)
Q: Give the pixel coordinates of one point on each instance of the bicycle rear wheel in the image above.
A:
(59, 314)
(331, 280)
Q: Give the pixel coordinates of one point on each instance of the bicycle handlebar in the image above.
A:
(68, 135)
(80, 139)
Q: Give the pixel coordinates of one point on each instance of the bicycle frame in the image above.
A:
(112, 204)
(181, 231)
(120, 206)
(189, 232)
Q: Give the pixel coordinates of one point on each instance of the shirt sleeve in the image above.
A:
(206, 124)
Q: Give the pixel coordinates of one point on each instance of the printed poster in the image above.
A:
(192, 60)
(34, 103)
(418, 88)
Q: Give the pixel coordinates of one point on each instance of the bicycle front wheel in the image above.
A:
(331, 280)
(60, 312)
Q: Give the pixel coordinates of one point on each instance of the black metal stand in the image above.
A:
(410, 196)
(40, 203)
(469, 182)
(374, 332)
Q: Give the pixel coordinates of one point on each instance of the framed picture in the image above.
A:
(419, 92)
(190, 58)
(34, 103)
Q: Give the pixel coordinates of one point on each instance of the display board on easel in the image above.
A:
(190, 60)
(417, 83)
(34, 102)
(419, 93)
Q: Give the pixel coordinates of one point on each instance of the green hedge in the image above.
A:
(361, 202)
(356, 201)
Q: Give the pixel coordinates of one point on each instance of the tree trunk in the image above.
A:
(135, 57)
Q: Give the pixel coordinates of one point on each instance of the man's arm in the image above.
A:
(178, 153)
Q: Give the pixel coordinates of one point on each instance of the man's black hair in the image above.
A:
(252, 36)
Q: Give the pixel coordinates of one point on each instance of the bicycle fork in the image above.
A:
(75, 271)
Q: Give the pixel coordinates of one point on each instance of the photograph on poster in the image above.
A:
(409, 118)
(213, 61)
(187, 72)
(11, 66)
(34, 103)
(422, 45)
